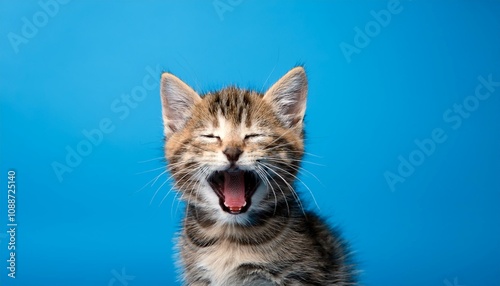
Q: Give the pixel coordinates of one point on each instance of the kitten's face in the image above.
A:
(234, 151)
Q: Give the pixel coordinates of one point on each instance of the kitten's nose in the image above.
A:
(232, 153)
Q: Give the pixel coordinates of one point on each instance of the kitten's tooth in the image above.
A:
(235, 207)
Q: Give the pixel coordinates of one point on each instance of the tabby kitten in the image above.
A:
(234, 155)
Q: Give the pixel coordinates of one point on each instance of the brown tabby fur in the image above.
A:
(275, 242)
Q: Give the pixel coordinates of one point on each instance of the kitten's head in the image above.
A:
(235, 152)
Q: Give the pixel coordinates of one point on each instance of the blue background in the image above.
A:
(438, 227)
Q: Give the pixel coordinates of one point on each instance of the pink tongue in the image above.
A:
(234, 190)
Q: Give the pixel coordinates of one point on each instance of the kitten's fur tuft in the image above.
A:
(234, 155)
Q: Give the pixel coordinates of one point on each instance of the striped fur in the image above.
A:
(275, 242)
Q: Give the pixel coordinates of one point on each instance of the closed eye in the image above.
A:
(253, 135)
(210, 136)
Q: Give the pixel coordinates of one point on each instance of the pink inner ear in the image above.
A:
(178, 100)
(288, 96)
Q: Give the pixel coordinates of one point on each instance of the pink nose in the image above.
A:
(232, 153)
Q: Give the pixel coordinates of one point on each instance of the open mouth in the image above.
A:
(234, 189)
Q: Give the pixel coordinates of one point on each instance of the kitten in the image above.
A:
(234, 155)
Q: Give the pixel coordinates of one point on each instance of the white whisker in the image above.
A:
(152, 170)
(297, 178)
(294, 193)
(153, 179)
(153, 159)
(264, 178)
(279, 187)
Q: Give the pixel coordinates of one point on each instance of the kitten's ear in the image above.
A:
(288, 97)
(178, 100)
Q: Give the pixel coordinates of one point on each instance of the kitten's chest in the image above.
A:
(221, 261)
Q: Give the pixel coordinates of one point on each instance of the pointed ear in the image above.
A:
(177, 100)
(288, 97)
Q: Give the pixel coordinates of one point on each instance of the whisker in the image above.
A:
(172, 205)
(165, 196)
(189, 70)
(263, 177)
(298, 169)
(297, 178)
(156, 192)
(294, 193)
(152, 170)
(180, 198)
(265, 82)
(289, 151)
(294, 160)
(153, 179)
(157, 177)
(279, 137)
(279, 187)
(153, 159)
(150, 202)
(190, 181)
(189, 198)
